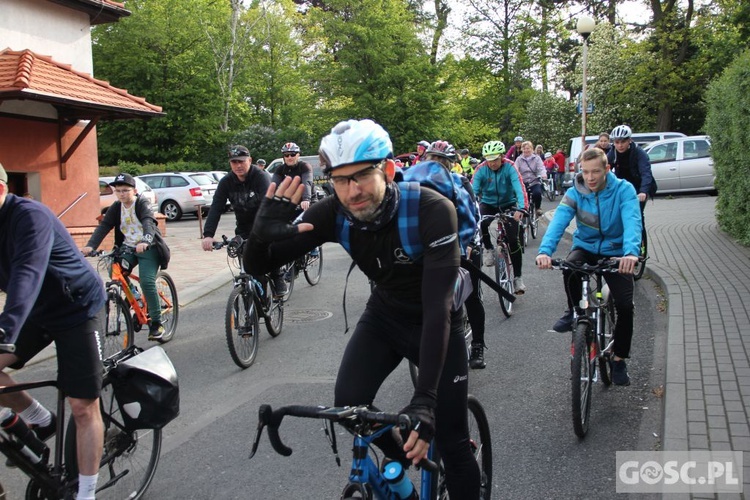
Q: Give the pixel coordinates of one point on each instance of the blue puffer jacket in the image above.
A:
(608, 221)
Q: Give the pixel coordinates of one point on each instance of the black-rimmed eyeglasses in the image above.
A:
(360, 178)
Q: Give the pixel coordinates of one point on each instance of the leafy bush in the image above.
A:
(728, 124)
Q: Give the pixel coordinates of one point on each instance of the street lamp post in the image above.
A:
(584, 27)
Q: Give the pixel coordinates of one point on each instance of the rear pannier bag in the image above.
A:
(146, 389)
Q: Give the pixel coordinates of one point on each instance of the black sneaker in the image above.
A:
(565, 323)
(476, 360)
(156, 330)
(620, 373)
(47, 431)
(280, 286)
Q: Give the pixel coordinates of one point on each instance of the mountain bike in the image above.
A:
(130, 457)
(504, 275)
(368, 477)
(126, 308)
(593, 336)
(248, 300)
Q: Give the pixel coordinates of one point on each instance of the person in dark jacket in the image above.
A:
(244, 187)
(135, 227)
(630, 162)
(52, 294)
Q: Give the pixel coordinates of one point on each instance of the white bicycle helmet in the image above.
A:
(621, 132)
(518, 139)
(354, 141)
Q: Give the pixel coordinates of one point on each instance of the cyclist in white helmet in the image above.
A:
(515, 150)
(364, 216)
(630, 162)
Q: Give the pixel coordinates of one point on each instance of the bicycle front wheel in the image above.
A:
(504, 278)
(582, 377)
(290, 273)
(640, 267)
(242, 326)
(130, 457)
(314, 266)
(118, 326)
(170, 307)
(481, 445)
(550, 191)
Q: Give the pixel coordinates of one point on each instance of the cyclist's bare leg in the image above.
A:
(16, 401)
(89, 434)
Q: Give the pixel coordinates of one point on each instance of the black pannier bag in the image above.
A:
(146, 389)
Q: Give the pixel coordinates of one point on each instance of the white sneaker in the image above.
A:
(519, 286)
(488, 256)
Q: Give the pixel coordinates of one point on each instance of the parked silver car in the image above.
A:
(107, 195)
(682, 164)
(180, 193)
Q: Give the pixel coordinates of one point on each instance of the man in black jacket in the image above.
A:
(244, 187)
(53, 294)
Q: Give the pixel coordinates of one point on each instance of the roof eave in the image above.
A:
(99, 11)
(82, 110)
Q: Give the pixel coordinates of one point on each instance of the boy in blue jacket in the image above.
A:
(608, 219)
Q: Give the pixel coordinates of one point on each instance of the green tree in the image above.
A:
(550, 121)
(371, 64)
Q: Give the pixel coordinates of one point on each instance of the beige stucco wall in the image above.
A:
(47, 29)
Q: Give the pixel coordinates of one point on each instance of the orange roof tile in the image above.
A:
(26, 75)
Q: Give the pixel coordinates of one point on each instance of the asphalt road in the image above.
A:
(525, 390)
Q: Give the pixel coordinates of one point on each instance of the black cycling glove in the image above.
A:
(422, 416)
(273, 221)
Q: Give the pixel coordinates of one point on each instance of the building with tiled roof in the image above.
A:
(50, 103)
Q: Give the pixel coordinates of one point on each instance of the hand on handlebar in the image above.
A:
(544, 261)
(627, 264)
(418, 441)
(517, 216)
(208, 244)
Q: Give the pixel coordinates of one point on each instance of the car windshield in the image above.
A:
(202, 179)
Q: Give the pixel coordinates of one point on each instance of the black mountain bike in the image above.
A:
(248, 300)
(593, 336)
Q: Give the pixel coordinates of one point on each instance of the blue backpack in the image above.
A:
(436, 177)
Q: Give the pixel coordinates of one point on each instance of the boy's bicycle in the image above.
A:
(248, 300)
(640, 267)
(593, 336)
(549, 187)
(126, 308)
(130, 456)
(504, 275)
(369, 473)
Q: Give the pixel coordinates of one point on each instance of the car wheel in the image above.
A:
(171, 210)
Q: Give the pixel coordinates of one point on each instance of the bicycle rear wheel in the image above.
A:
(314, 266)
(118, 326)
(170, 307)
(130, 456)
(504, 278)
(275, 318)
(640, 266)
(242, 327)
(582, 377)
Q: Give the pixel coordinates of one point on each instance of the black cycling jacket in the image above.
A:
(421, 291)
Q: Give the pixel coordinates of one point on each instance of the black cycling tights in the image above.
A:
(379, 343)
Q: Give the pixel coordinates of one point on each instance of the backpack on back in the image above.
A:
(432, 175)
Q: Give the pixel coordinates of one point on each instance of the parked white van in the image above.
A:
(641, 139)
